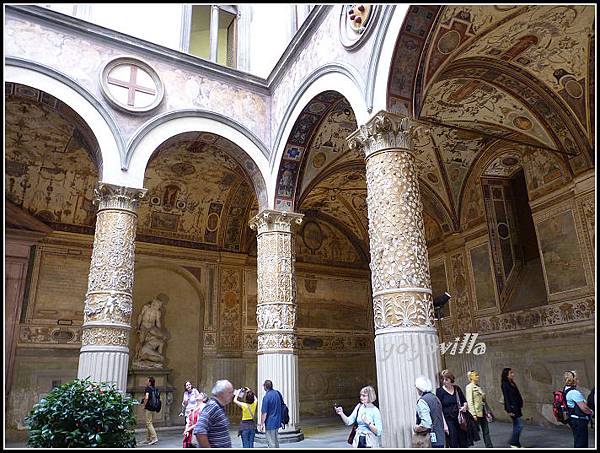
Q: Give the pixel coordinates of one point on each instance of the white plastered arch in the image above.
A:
(382, 74)
(110, 171)
(330, 81)
(155, 132)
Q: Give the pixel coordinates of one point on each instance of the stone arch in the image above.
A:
(340, 83)
(92, 112)
(151, 135)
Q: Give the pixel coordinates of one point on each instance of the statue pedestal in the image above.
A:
(137, 380)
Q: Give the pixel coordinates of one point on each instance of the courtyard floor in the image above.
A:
(320, 433)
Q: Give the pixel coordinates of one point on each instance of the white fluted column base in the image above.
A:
(282, 370)
(104, 364)
(403, 354)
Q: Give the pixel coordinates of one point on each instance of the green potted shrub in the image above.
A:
(82, 413)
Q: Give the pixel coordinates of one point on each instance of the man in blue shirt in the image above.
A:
(270, 417)
(212, 429)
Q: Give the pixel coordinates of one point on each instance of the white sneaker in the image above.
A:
(152, 442)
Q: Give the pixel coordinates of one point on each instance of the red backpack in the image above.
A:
(561, 411)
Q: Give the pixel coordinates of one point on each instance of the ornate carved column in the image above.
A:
(406, 342)
(104, 354)
(276, 310)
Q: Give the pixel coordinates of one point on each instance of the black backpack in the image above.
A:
(285, 413)
(154, 404)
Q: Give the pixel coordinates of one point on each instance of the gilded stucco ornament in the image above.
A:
(399, 262)
(276, 291)
(111, 276)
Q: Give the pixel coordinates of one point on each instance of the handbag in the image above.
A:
(488, 414)
(421, 439)
(462, 415)
(353, 430)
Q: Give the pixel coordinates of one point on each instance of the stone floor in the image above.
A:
(320, 433)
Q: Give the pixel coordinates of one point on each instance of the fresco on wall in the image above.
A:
(439, 283)
(561, 255)
(230, 311)
(318, 241)
(482, 277)
(330, 303)
(544, 172)
(50, 154)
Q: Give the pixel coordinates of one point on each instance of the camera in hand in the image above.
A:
(242, 394)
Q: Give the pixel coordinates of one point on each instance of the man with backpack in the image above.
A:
(272, 415)
(152, 404)
(570, 407)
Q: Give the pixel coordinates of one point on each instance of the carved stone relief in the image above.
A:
(276, 289)
(399, 262)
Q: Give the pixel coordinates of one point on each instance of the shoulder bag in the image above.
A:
(421, 439)
(354, 426)
(462, 416)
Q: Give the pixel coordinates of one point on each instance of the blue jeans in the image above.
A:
(517, 428)
(247, 438)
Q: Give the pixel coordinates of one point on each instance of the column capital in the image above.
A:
(110, 196)
(268, 221)
(386, 131)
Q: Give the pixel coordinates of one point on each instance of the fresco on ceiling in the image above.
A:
(329, 142)
(342, 196)
(48, 168)
(300, 136)
(332, 303)
(550, 42)
(318, 241)
(561, 255)
(195, 191)
(457, 151)
(504, 165)
(476, 102)
(429, 167)
(405, 61)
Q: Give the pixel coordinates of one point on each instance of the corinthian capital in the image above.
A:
(110, 196)
(385, 131)
(275, 221)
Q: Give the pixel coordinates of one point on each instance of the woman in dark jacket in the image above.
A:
(513, 403)
(447, 395)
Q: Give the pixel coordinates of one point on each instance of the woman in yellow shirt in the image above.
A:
(247, 424)
(476, 400)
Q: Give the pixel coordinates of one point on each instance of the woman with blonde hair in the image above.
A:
(579, 411)
(367, 417)
(476, 405)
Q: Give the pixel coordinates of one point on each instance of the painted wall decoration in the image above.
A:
(561, 255)
(460, 304)
(50, 156)
(230, 311)
(482, 277)
(333, 303)
(321, 242)
(439, 282)
(544, 172)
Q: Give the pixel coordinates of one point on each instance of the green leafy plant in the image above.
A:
(82, 413)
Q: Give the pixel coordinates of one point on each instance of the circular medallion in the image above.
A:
(212, 221)
(432, 178)
(503, 230)
(319, 160)
(509, 161)
(448, 42)
(312, 235)
(183, 169)
(131, 85)
(355, 23)
(523, 123)
(574, 88)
